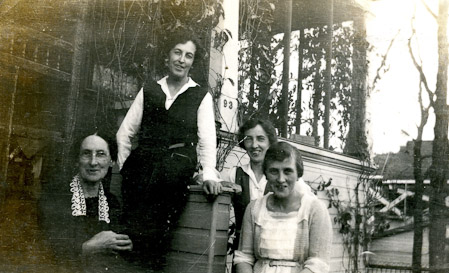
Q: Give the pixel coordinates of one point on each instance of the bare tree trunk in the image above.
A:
(417, 159)
(440, 155)
(417, 215)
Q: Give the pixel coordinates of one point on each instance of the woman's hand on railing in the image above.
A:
(212, 187)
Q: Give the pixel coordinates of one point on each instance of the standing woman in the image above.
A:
(173, 118)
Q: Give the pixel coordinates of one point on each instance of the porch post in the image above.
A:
(223, 67)
(328, 75)
(356, 140)
(283, 111)
(299, 91)
(78, 61)
(4, 167)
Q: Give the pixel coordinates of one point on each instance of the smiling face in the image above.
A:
(256, 143)
(282, 177)
(94, 159)
(180, 60)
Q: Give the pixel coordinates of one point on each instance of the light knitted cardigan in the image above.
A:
(313, 237)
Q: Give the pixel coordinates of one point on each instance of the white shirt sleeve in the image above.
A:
(207, 140)
(129, 128)
(229, 176)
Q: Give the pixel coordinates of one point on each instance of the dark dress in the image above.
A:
(65, 234)
(158, 171)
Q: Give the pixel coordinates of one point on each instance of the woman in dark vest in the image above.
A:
(173, 118)
(255, 136)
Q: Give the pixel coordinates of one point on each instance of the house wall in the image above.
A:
(320, 165)
(34, 82)
(397, 249)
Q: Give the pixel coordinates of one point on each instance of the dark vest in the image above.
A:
(178, 124)
(240, 202)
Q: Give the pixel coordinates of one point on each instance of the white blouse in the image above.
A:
(206, 128)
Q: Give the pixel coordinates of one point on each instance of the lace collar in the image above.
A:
(79, 202)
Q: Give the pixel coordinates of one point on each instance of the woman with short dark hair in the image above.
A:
(251, 123)
(255, 136)
(173, 118)
(287, 230)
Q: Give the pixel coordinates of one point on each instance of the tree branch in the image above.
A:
(383, 63)
(424, 113)
(428, 9)
(422, 76)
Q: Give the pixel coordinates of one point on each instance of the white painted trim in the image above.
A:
(331, 158)
(405, 181)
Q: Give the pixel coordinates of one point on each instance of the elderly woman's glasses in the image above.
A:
(88, 155)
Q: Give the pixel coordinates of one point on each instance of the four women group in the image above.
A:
(286, 230)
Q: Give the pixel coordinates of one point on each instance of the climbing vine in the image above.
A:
(255, 57)
(356, 216)
(260, 61)
(128, 38)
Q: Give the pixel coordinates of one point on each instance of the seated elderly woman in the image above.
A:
(79, 221)
(288, 230)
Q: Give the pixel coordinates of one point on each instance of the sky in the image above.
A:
(393, 108)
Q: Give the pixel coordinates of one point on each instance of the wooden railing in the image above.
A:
(200, 241)
(35, 50)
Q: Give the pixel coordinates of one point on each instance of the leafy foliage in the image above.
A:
(255, 57)
(128, 38)
(357, 217)
(260, 80)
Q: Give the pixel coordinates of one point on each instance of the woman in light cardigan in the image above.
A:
(288, 230)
